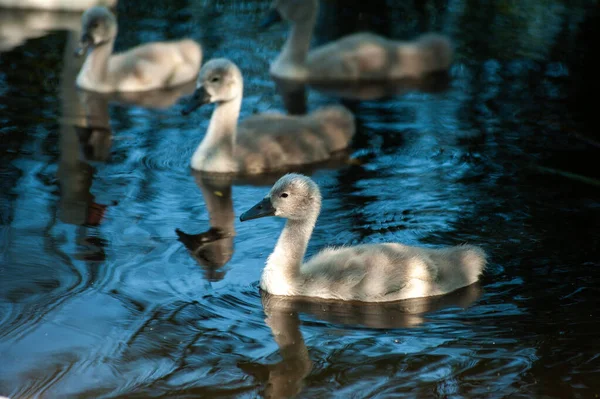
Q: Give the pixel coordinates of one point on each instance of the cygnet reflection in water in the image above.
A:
(285, 379)
(294, 96)
(85, 135)
(369, 272)
(213, 248)
(89, 113)
(405, 313)
(360, 56)
(146, 67)
(77, 204)
(152, 99)
(261, 143)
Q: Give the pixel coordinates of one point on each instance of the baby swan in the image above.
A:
(360, 56)
(265, 142)
(146, 67)
(368, 272)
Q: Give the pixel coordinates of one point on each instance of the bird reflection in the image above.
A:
(86, 137)
(285, 379)
(213, 248)
(401, 314)
(293, 92)
(431, 83)
(80, 143)
(154, 99)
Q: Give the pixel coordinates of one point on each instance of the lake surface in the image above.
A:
(100, 296)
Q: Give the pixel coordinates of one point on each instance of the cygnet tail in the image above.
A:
(429, 53)
(472, 260)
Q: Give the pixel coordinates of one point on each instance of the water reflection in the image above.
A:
(86, 137)
(403, 314)
(77, 204)
(285, 379)
(154, 99)
(294, 93)
(213, 248)
(75, 174)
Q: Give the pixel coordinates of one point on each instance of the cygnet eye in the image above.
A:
(215, 79)
(283, 195)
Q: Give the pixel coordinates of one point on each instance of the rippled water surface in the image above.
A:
(123, 274)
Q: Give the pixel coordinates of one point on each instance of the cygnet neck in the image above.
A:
(222, 128)
(289, 252)
(295, 50)
(95, 67)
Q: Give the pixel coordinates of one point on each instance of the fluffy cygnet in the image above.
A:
(265, 142)
(356, 57)
(368, 272)
(145, 67)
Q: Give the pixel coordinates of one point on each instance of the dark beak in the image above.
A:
(84, 43)
(199, 98)
(271, 18)
(260, 210)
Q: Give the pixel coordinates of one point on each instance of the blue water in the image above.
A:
(101, 298)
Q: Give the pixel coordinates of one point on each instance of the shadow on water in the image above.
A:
(99, 298)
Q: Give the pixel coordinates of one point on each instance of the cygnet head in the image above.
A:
(293, 196)
(293, 11)
(98, 26)
(219, 80)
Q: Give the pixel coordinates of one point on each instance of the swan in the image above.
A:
(366, 273)
(265, 142)
(146, 67)
(360, 56)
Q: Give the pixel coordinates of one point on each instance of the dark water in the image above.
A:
(100, 299)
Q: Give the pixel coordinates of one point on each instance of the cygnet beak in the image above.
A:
(260, 210)
(271, 18)
(84, 43)
(199, 98)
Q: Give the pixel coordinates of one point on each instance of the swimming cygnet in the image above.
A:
(360, 56)
(368, 272)
(265, 142)
(146, 67)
